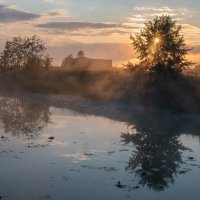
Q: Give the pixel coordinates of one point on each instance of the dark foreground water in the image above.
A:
(60, 147)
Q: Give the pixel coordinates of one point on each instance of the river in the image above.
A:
(65, 147)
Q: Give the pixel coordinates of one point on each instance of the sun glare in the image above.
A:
(156, 40)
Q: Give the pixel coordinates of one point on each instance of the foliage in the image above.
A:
(68, 61)
(24, 53)
(80, 54)
(161, 46)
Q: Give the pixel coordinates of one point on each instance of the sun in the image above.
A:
(157, 40)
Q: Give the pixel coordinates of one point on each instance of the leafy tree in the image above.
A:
(161, 46)
(24, 53)
(68, 61)
(80, 54)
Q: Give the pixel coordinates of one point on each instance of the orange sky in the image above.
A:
(100, 28)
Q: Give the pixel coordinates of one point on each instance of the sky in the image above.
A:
(101, 28)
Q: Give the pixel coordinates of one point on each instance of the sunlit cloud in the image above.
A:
(90, 32)
(192, 34)
(141, 14)
(63, 28)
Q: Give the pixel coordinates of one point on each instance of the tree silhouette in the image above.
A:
(161, 46)
(24, 53)
(80, 54)
(68, 61)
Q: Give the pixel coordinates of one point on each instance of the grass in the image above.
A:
(180, 93)
(94, 84)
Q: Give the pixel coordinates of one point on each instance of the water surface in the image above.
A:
(62, 147)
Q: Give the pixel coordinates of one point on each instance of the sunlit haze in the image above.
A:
(99, 99)
(100, 28)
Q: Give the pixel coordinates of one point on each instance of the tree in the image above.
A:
(161, 46)
(80, 54)
(68, 61)
(24, 53)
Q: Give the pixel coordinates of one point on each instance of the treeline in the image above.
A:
(23, 54)
(70, 61)
(26, 66)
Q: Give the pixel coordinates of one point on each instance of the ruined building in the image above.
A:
(86, 63)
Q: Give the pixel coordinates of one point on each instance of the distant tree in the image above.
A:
(68, 61)
(161, 46)
(80, 54)
(24, 53)
(70, 56)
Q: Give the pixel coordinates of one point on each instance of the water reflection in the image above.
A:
(155, 135)
(157, 158)
(23, 115)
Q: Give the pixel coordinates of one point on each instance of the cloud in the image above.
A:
(141, 14)
(101, 39)
(191, 30)
(11, 14)
(161, 9)
(58, 13)
(108, 31)
(77, 25)
(191, 33)
(52, 1)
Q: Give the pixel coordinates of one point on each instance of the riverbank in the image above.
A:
(180, 93)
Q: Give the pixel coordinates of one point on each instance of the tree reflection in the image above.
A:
(155, 133)
(23, 115)
(158, 152)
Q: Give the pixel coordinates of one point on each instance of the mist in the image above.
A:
(99, 100)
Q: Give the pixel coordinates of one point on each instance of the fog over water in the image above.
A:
(99, 100)
(53, 146)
